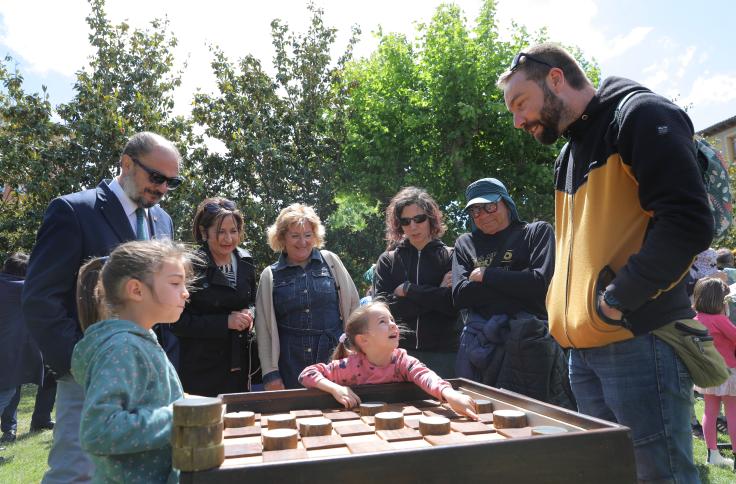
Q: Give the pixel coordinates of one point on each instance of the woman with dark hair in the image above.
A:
(414, 277)
(216, 327)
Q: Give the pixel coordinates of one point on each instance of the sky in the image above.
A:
(680, 52)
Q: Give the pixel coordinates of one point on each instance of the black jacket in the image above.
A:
(427, 308)
(209, 350)
(516, 281)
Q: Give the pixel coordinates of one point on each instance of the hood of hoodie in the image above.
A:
(432, 244)
(97, 339)
(610, 92)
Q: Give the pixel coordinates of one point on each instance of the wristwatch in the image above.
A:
(612, 302)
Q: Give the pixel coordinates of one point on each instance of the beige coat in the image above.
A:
(266, 330)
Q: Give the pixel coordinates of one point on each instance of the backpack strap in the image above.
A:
(620, 106)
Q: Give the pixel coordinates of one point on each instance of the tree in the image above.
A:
(284, 135)
(127, 87)
(430, 115)
(29, 142)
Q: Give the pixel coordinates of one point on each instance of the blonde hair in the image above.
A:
(296, 213)
(100, 280)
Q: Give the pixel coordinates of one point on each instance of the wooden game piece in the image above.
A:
(239, 419)
(389, 420)
(322, 442)
(243, 450)
(358, 428)
(434, 425)
(342, 415)
(312, 427)
(509, 419)
(285, 454)
(281, 421)
(470, 427)
(250, 431)
(398, 435)
(197, 459)
(279, 439)
(203, 436)
(548, 430)
(368, 409)
(193, 412)
(483, 406)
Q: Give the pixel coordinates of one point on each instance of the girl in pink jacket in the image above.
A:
(369, 353)
(709, 297)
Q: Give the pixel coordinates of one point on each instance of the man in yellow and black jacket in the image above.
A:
(631, 213)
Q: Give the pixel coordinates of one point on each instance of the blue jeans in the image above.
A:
(6, 397)
(642, 384)
(67, 461)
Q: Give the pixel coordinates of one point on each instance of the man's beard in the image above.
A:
(130, 189)
(550, 116)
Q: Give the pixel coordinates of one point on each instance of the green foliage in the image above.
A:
(283, 136)
(430, 115)
(127, 87)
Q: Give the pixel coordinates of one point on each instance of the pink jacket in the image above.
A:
(357, 370)
(724, 335)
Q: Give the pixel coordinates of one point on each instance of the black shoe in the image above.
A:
(722, 425)
(8, 436)
(44, 426)
(697, 431)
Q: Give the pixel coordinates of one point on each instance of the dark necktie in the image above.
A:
(140, 224)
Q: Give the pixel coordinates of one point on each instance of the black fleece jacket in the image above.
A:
(427, 308)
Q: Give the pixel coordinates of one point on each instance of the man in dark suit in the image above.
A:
(75, 228)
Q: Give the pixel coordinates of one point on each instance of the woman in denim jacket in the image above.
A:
(303, 299)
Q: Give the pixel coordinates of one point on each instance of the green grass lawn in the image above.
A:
(29, 452)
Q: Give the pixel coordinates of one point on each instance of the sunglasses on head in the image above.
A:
(157, 177)
(490, 207)
(223, 205)
(417, 219)
(517, 58)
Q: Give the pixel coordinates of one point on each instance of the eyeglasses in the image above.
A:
(517, 58)
(223, 205)
(417, 219)
(157, 177)
(490, 207)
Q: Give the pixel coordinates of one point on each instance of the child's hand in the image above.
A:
(460, 403)
(345, 396)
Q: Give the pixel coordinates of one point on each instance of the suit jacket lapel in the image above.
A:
(113, 212)
(158, 223)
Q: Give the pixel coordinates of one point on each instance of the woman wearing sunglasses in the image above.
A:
(303, 299)
(414, 276)
(218, 349)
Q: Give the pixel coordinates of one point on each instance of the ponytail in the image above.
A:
(341, 350)
(89, 293)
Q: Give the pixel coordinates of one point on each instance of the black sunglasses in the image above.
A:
(405, 221)
(517, 58)
(157, 177)
(490, 207)
(217, 207)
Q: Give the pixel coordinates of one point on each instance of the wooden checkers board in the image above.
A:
(579, 450)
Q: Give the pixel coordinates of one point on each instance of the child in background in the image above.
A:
(372, 337)
(709, 297)
(128, 381)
